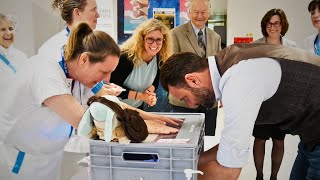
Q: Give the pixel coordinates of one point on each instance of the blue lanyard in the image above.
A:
(317, 46)
(64, 67)
(63, 63)
(5, 60)
(68, 31)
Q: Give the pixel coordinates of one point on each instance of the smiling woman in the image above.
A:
(138, 69)
(10, 57)
(42, 108)
(274, 25)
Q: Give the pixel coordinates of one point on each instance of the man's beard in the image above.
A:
(204, 97)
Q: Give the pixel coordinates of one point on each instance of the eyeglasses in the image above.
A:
(159, 41)
(275, 24)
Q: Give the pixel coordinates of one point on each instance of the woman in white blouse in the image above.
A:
(10, 57)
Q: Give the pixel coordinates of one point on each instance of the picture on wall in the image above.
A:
(166, 15)
(184, 6)
(135, 12)
(131, 13)
(106, 20)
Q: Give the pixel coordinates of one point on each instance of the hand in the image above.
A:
(170, 120)
(113, 89)
(149, 97)
(155, 127)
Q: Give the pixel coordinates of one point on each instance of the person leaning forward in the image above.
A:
(250, 80)
(186, 38)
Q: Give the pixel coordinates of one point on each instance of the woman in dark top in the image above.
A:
(138, 69)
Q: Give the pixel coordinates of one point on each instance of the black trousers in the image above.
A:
(210, 117)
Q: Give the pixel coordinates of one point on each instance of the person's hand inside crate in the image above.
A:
(106, 120)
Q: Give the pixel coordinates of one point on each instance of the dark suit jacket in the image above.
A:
(184, 39)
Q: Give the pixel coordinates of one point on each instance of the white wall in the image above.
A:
(37, 22)
(218, 6)
(24, 37)
(244, 16)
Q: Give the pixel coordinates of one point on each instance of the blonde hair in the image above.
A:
(97, 44)
(134, 46)
(66, 7)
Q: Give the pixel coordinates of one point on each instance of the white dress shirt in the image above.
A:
(242, 89)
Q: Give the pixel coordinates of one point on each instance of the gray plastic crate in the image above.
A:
(160, 161)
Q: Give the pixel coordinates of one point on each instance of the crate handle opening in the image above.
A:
(152, 158)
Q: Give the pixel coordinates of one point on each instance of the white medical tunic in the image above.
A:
(16, 58)
(52, 46)
(27, 126)
(309, 43)
(52, 49)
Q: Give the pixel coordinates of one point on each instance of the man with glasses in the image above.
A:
(195, 37)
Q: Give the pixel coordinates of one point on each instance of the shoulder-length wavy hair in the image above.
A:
(283, 18)
(134, 46)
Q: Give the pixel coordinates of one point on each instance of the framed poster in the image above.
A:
(166, 15)
(184, 8)
(106, 20)
(135, 12)
(131, 13)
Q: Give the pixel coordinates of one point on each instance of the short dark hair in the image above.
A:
(283, 18)
(174, 69)
(313, 5)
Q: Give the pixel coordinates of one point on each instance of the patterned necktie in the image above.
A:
(201, 44)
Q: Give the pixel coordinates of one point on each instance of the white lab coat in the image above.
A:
(52, 49)
(16, 58)
(309, 43)
(28, 126)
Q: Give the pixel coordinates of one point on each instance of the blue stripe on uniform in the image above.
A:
(18, 163)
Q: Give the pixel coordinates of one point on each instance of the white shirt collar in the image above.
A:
(215, 76)
(196, 30)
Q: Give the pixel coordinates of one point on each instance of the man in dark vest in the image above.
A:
(257, 84)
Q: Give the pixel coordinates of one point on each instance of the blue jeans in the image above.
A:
(307, 164)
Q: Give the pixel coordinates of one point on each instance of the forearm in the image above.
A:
(67, 107)
(143, 114)
(212, 170)
(151, 88)
(135, 95)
